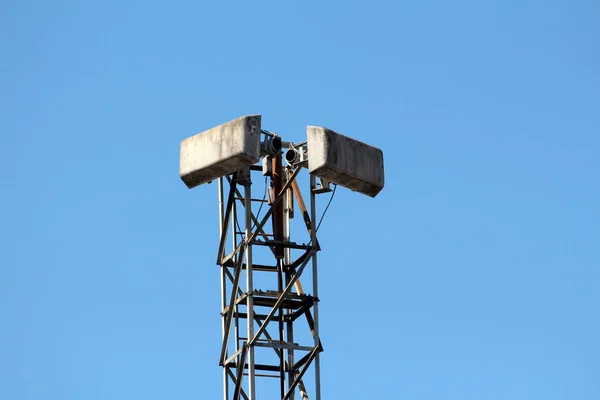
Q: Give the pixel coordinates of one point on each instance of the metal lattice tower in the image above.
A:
(269, 282)
(266, 317)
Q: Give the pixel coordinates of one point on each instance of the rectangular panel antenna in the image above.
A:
(345, 161)
(219, 151)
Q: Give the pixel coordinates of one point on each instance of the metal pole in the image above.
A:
(223, 287)
(287, 259)
(249, 290)
(313, 217)
(278, 220)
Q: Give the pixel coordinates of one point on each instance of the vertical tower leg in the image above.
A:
(223, 286)
(249, 291)
(313, 217)
(287, 261)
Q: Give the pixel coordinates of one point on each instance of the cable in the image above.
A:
(326, 207)
(239, 228)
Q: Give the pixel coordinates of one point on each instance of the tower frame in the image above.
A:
(234, 153)
(270, 317)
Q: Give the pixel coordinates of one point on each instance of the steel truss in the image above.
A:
(253, 319)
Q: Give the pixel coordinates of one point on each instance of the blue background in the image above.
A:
(476, 269)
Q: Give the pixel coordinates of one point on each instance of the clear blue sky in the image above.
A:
(478, 264)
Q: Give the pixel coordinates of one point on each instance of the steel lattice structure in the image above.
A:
(269, 285)
(273, 310)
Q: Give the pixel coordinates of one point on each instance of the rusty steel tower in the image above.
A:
(269, 286)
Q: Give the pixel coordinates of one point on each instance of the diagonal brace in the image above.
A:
(236, 281)
(240, 373)
(302, 205)
(282, 297)
(230, 200)
(299, 376)
(254, 220)
(233, 378)
(280, 196)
